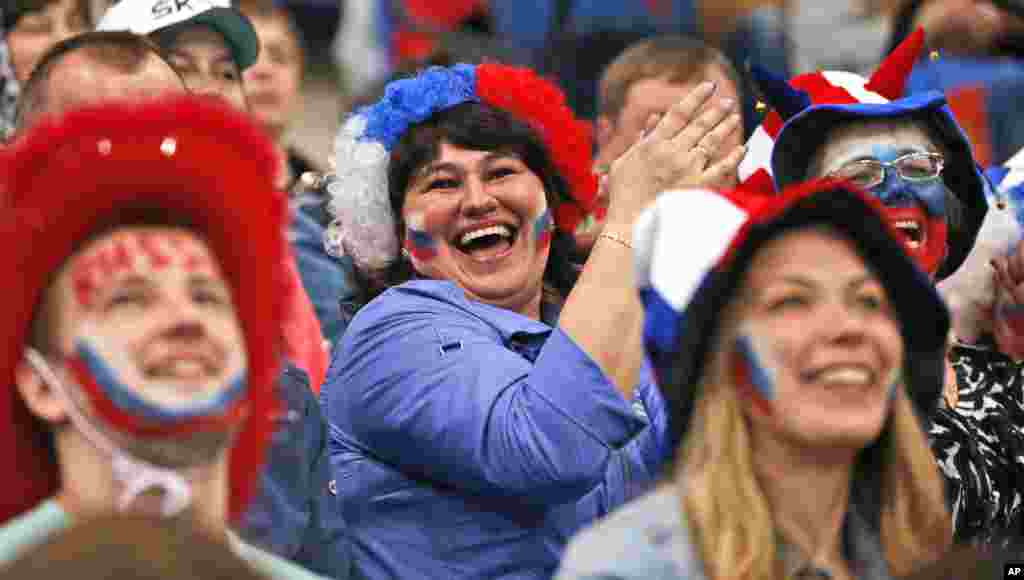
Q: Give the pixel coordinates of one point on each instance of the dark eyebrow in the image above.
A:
(489, 158)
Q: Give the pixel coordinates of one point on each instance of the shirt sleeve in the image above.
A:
(440, 397)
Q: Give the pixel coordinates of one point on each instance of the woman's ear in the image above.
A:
(38, 395)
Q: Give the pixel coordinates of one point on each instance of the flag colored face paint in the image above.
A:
(916, 209)
(754, 377)
(154, 340)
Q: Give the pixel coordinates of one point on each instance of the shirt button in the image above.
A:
(639, 409)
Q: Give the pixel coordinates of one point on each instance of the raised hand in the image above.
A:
(681, 150)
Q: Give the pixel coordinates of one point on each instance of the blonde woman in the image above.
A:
(798, 347)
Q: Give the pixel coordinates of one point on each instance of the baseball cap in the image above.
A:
(149, 16)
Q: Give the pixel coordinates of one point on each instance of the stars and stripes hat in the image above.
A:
(684, 293)
(804, 108)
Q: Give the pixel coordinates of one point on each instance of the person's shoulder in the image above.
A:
(646, 538)
(419, 299)
(270, 565)
(31, 529)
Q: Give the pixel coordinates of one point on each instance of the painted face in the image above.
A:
(817, 347)
(481, 220)
(273, 83)
(916, 209)
(151, 332)
(37, 30)
(204, 60)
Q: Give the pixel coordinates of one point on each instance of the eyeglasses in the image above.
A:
(914, 167)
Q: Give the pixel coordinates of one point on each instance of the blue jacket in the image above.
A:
(293, 514)
(468, 441)
(327, 280)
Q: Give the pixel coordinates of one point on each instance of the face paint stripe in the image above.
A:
(231, 412)
(542, 228)
(759, 376)
(420, 244)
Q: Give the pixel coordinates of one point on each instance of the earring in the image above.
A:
(405, 254)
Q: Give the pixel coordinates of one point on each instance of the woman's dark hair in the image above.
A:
(482, 128)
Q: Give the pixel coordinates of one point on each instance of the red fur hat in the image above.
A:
(67, 178)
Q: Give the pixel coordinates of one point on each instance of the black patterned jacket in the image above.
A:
(979, 446)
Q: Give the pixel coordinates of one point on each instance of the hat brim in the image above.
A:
(924, 318)
(807, 131)
(236, 29)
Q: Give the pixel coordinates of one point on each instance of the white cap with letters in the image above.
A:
(148, 16)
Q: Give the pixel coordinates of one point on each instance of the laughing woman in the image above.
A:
(811, 346)
(486, 405)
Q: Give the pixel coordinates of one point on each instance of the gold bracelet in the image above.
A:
(616, 238)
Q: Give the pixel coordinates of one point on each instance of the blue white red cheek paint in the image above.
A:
(754, 376)
(542, 227)
(422, 247)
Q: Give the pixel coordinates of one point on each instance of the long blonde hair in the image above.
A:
(729, 514)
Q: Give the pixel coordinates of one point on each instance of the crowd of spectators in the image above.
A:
(668, 289)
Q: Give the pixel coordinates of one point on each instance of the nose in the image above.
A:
(844, 326)
(477, 200)
(893, 190)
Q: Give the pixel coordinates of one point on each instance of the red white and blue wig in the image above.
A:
(364, 221)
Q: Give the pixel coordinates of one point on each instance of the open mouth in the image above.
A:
(182, 368)
(842, 375)
(488, 242)
(913, 232)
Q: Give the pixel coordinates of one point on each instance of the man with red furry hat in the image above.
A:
(139, 346)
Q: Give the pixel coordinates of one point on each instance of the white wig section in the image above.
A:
(363, 227)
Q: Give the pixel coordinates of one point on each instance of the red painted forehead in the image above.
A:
(137, 252)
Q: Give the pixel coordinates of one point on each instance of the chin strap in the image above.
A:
(135, 475)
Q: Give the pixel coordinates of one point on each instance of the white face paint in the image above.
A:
(870, 140)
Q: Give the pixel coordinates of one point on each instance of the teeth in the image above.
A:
(846, 375)
(185, 368)
(493, 230)
(914, 230)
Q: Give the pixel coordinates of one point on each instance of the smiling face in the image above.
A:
(817, 347)
(916, 209)
(480, 219)
(150, 307)
(204, 60)
(38, 30)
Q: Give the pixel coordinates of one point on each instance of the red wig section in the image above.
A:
(568, 140)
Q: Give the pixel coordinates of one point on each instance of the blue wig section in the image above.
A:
(413, 100)
(129, 402)
(760, 378)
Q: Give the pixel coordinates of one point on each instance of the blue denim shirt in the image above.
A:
(468, 441)
(293, 514)
(327, 280)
